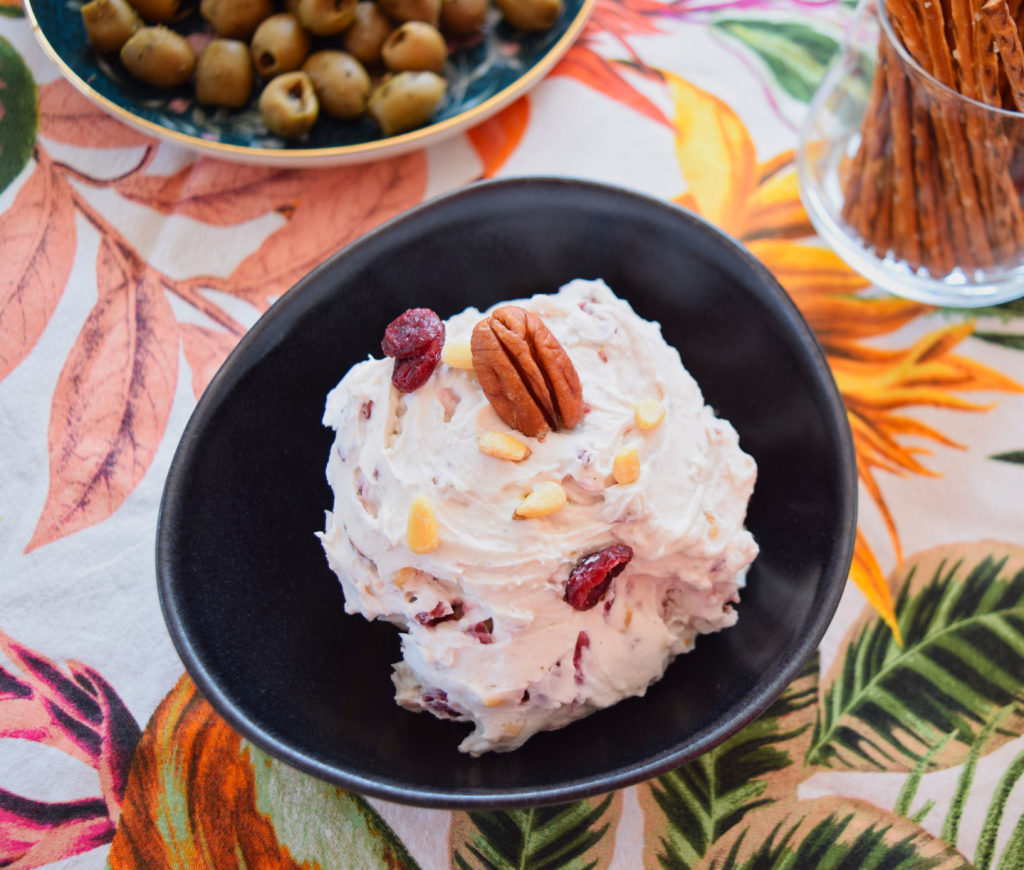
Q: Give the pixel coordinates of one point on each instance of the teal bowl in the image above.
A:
(485, 74)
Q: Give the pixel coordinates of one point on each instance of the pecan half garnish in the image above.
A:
(525, 373)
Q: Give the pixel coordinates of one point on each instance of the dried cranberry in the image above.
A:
(582, 643)
(366, 409)
(437, 700)
(441, 612)
(414, 339)
(412, 372)
(482, 631)
(411, 332)
(593, 574)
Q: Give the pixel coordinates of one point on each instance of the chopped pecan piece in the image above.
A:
(525, 373)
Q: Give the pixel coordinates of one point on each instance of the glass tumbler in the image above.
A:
(916, 185)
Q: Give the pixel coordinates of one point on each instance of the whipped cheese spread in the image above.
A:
(488, 637)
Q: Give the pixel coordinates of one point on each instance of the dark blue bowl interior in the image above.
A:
(257, 615)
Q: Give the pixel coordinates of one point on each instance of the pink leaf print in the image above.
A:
(33, 833)
(340, 207)
(75, 710)
(220, 193)
(37, 237)
(205, 350)
(67, 116)
(112, 400)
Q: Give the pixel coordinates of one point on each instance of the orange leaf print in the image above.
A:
(220, 193)
(68, 117)
(112, 400)
(207, 759)
(37, 237)
(343, 206)
(594, 71)
(715, 153)
(775, 209)
(495, 139)
(869, 579)
(205, 350)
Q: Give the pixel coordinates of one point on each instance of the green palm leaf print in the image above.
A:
(19, 113)
(691, 807)
(796, 54)
(961, 612)
(561, 837)
(829, 834)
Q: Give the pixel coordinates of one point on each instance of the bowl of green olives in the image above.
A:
(305, 83)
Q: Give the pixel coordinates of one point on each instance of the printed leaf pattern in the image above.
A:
(73, 709)
(571, 836)
(497, 138)
(18, 118)
(66, 116)
(342, 206)
(961, 615)
(112, 400)
(834, 833)
(37, 236)
(795, 53)
(205, 351)
(696, 804)
(200, 797)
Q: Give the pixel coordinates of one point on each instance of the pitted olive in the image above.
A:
(158, 11)
(406, 100)
(235, 19)
(367, 32)
(413, 10)
(288, 104)
(463, 17)
(158, 56)
(224, 74)
(109, 23)
(530, 14)
(340, 82)
(415, 45)
(326, 17)
(279, 45)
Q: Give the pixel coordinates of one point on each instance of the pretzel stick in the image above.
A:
(936, 246)
(963, 41)
(907, 244)
(853, 181)
(951, 138)
(881, 236)
(1007, 213)
(1004, 29)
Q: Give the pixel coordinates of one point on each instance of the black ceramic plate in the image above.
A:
(257, 615)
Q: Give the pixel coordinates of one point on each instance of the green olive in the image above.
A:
(326, 17)
(367, 32)
(279, 45)
(158, 56)
(406, 100)
(530, 14)
(109, 23)
(463, 17)
(224, 74)
(288, 104)
(413, 10)
(415, 45)
(340, 82)
(158, 11)
(235, 19)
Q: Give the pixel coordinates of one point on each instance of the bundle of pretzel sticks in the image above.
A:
(933, 180)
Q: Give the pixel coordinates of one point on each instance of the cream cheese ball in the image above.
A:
(432, 527)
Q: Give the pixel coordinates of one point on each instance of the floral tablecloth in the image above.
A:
(129, 269)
